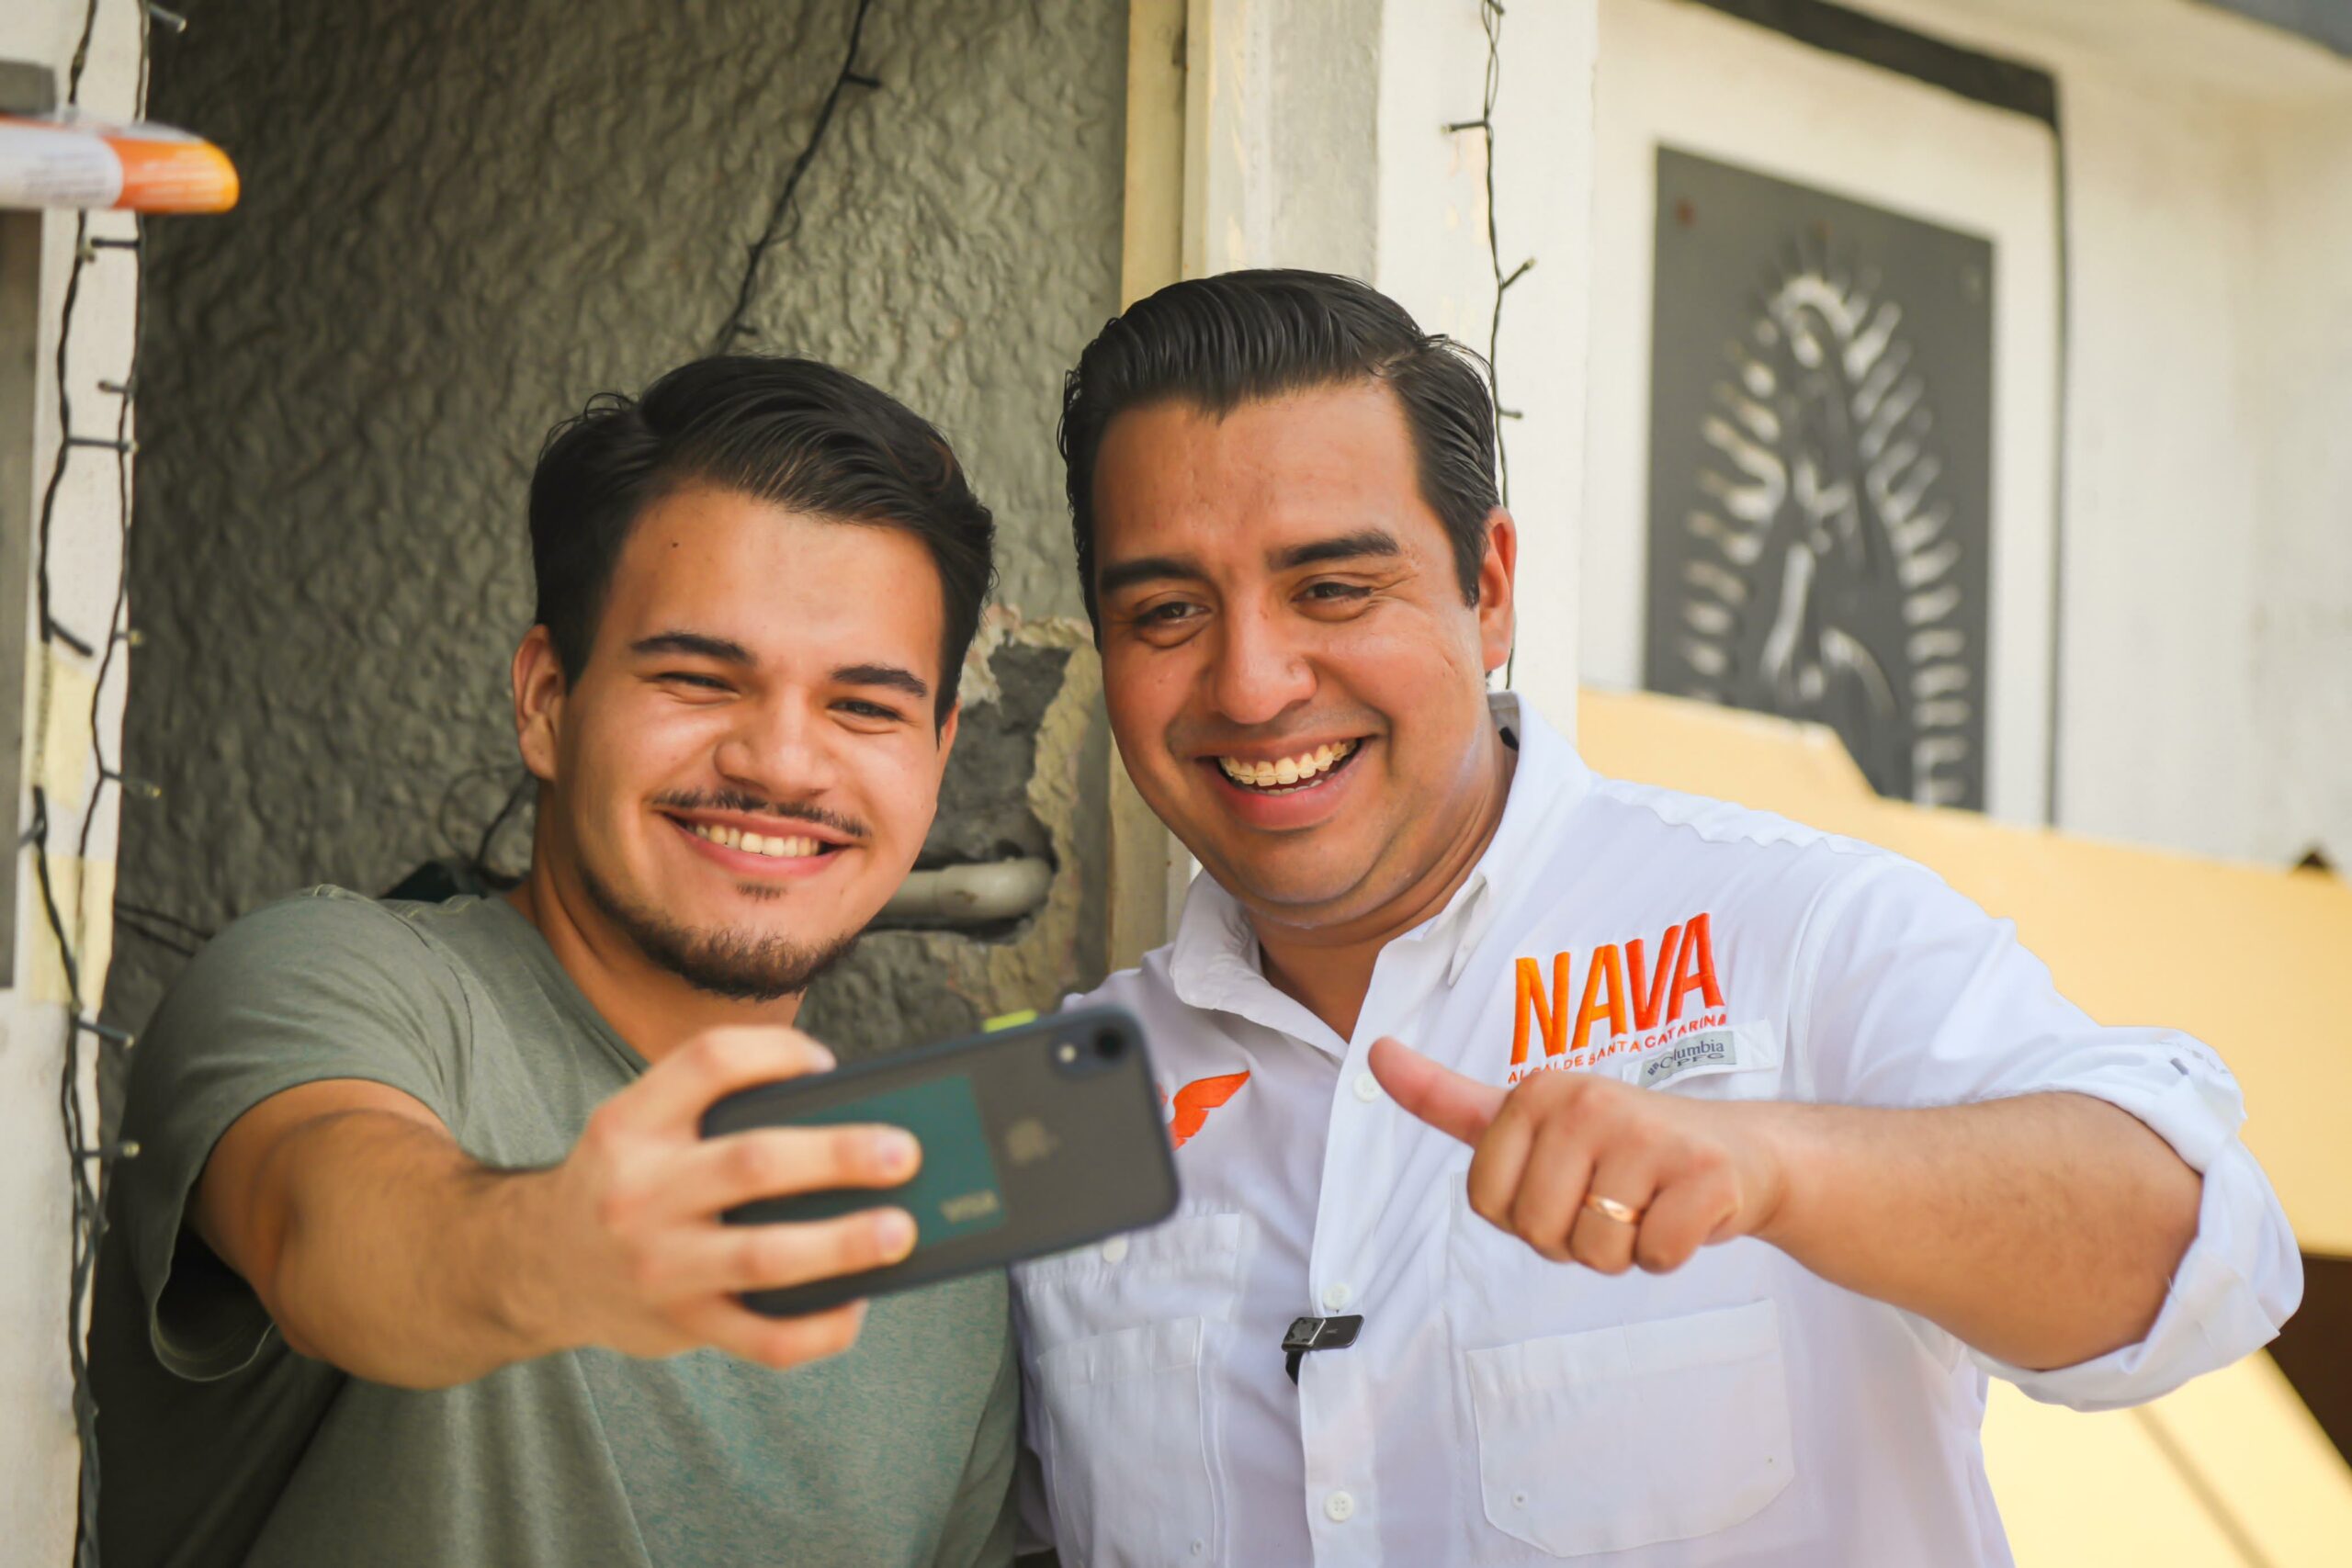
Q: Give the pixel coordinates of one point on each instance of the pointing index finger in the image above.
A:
(1457, 1106)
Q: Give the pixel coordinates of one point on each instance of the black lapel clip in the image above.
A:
(1317, 1334)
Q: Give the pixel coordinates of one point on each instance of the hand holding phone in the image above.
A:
(1036, 1137)
(647, 1266)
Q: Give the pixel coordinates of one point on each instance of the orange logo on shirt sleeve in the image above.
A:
(1196, 1100)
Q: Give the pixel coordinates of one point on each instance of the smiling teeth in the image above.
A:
(1288, 772)
(753, 843)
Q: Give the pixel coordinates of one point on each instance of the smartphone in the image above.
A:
(1036, 1136)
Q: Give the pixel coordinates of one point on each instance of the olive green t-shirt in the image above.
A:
(219, 1445)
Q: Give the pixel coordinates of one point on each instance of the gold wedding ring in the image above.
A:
(1610, 1208)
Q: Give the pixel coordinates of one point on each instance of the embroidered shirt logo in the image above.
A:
(1710, 1050)
(1641, 1005)
(1189, 1111)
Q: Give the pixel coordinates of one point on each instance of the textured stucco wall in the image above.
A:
(463, 217)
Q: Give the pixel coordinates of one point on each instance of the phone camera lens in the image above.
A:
(1109, 1044)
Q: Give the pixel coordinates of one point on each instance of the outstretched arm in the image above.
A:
(379, 1244)
(2043, 1230)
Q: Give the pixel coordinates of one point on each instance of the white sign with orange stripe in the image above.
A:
(70, 161)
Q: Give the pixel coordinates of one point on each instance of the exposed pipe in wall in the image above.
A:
(978, 894)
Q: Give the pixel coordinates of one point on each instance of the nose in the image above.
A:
(1260, 671)
(779, 750)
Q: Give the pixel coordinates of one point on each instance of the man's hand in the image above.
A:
(1564, 1158)
(378, 1244)
(2043, 1230)
(644, 1264)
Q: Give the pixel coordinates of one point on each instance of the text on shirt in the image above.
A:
(1621, 990)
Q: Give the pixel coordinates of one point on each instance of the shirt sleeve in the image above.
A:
(326, 985)
(1916, 998)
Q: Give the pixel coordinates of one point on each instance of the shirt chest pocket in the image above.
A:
(1121, 1335)
(1633, 1434)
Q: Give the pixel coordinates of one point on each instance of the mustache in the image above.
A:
(1202, 740)
(738, 800)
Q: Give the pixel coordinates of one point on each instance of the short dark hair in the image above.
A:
(1217, 342)
(793, 431)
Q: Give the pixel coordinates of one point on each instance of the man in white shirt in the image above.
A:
(1573, 1169)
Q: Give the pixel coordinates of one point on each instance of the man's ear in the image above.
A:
(539, 689)
(1497, 610)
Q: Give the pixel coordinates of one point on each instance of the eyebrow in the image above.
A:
(1147, 568)
(1346, 546)
(1158, 569)
(693, 645)
(887, 675)
(697, 644)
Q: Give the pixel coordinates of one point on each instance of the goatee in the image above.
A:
(738, 966)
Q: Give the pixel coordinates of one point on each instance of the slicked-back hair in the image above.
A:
(792, 432)
(1239, 337)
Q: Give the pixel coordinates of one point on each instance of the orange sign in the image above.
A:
(70, 160)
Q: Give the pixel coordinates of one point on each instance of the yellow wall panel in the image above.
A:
(2247, 958)
(2080, 1491)
(2245, 1431)
(2230, 1470)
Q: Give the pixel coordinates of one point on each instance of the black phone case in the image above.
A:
(1072, 1126)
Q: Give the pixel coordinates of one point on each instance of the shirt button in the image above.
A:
(1367, 1088)
(1339, 1508)
(1115, 1249)
(1336, 1295)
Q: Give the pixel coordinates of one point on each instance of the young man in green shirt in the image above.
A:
(421, 1261)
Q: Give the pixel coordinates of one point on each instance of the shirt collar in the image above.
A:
(1212, 961)
(1549, 783)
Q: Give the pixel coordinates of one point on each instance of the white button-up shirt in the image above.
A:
(1498, 1408)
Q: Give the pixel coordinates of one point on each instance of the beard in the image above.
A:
(742, 966)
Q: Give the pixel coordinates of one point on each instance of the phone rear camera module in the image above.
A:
(1090, 1051)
